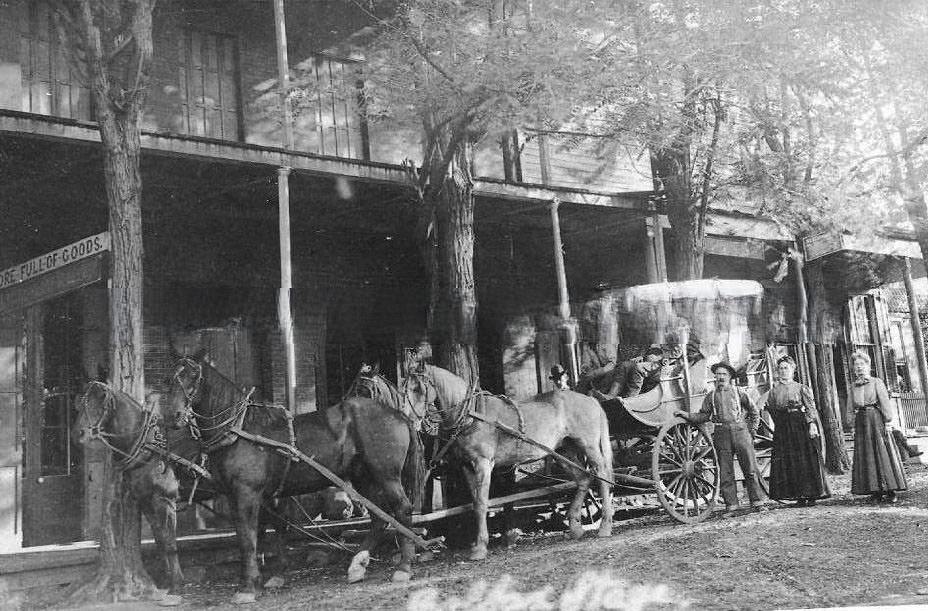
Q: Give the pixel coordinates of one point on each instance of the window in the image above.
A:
(901, 381)
(861, 314)
(50, 85)
(208, 78)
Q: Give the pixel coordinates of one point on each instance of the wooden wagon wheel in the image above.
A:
(685, 470)
(763, 449)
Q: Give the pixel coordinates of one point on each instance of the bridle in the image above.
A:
(149, 433)
(221, 423)
(191, 394)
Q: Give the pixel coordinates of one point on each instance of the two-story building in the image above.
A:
(211, 153)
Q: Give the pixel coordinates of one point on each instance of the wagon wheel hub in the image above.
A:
(689, 469)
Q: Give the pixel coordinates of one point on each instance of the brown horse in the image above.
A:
(358, 439)
(560, 419)
(116, 420)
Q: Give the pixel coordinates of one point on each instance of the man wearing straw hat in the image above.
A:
(735, 419)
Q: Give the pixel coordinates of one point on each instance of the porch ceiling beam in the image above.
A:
(16, 123)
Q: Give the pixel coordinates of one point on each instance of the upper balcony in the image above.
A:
(214, 82)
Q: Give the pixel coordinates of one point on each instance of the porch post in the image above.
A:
(284, 314)
(568, 329)
(916, 327)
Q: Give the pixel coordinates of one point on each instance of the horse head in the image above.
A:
(184, 390)
(96, 410)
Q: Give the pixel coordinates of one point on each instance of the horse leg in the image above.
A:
(599, 457)
(245, 508)
(167, 544)
(573, 513)
(479, 482)
(272, 514)
(401, 509)
(358, 567)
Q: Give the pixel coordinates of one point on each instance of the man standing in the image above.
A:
(735, 418)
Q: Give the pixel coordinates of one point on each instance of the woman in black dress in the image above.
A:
(796, 468)
(877, 467)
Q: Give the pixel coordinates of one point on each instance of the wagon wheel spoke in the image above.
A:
(671, 459)
(669, 471)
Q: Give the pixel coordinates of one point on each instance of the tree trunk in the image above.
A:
(121, 574)
(671, 171)
(821, 366)
(454, 328)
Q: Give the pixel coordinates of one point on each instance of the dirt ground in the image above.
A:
(842, 552)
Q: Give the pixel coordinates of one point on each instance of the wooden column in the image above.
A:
(568, 328)
(650, 256)
(284, 315)
(916, 325)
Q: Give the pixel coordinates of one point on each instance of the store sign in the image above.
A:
(818, 246)
(55, 259)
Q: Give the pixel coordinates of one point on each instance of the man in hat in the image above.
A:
(630, 378)
(560, 377)
(736, 418)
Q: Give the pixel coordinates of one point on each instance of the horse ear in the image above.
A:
(376, 368)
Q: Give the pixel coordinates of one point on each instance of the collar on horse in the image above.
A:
(231, 419)
(148, 436)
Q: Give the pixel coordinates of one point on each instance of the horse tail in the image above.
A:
(414, 469)
(605, 443)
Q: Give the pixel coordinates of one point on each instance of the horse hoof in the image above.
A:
(171, 600)
(426, 556)
(478, 553)
(274, 582)
(401, 577)
(244, 598)
(358, 566)
(576, 532)
(512, 536)
(605, 531)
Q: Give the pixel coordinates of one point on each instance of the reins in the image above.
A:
(147, 437)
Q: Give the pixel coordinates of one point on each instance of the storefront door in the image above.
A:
(52, 463)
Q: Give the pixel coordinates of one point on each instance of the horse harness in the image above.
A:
(473, 407)
(231, 427)
(230, 430)
(149, 438)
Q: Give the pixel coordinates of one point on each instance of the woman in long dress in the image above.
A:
(877, 467)
(796, 468)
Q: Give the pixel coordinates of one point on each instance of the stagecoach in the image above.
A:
(654, 453)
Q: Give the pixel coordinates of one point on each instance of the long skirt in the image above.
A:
(796, 466)
(877, 466)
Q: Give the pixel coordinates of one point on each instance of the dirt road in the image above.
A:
(842, 552)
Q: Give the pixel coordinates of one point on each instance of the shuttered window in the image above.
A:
(51, 86)
(208, 81)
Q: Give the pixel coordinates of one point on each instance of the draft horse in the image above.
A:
(561, 419)
(358, 439)
(134, 434)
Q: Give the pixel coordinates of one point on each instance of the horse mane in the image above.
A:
(450, 387)
(224, 392)
(384, 391)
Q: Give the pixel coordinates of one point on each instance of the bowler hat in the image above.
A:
(726, 366)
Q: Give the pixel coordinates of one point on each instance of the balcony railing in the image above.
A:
(914, 409)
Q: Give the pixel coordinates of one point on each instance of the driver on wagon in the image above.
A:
(629, 378)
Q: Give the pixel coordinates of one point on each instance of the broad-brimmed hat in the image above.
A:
(726, 366)
(654, 349)
(557, 372)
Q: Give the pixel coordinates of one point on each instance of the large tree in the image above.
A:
(461, 74)
(110, 43)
